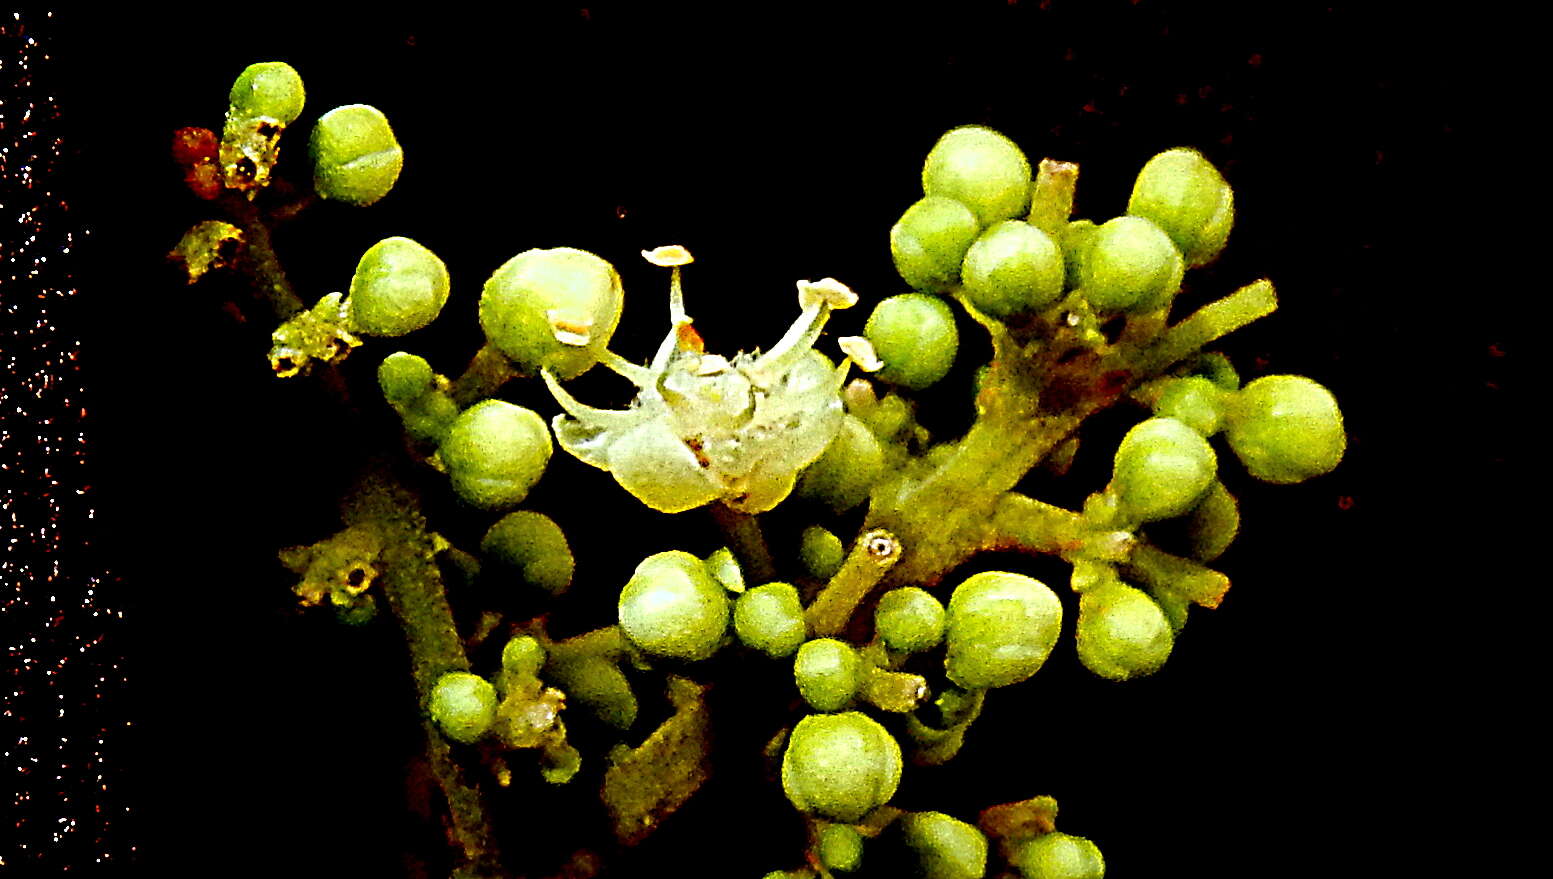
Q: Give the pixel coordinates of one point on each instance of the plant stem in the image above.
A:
(1207, 325)
(264, 265)
(1051, 200)
(487, 371)
(871, 558)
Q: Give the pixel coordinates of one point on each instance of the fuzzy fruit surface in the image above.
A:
(494, 453)
(674, 607)
(1000, 628)
(840, 766)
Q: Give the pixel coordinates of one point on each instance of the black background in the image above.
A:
(776, 145)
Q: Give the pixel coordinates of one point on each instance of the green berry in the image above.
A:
(405, 378)
(821, 552)
(534, 545)
(1187, 197)
(909, 619)
(355, 156)
(599, 684)
(1122, 633)
(770, 619)
(494, 452)
(841, 848)
(1013, 268)
(523, 656)
(553, 308)
(399, 287)
(914, 334)
(1000, 628)
(1075, 243)
(847, 470)
(1059, 856)
(982, 169)
(1195, 401)
(1162, 468)
(463, 705)
(1213, 523)
(1130, 264)
(1286, 428)
(946, 847)
(829, 673)
(840, 766)
(930, 240)
(269, 88)
(674, 607)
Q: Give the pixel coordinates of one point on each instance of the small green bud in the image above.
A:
(770, 619)
(1000, 628)
(552, 308)
(840, 766)
(844, 474)
(1059, 856)
(494, 452)
(829, 673)
(909, 619)
(841, 848)
(1195, 401)
(982, 169)
(356, 159)
(463, 705)
(1286, 428)
(914, 334)
(1187, 197)
(399, 287)
(1213, 523)
(534, 545)
(1013, 268)
(673, 607)
(523, 655)
(404, 378)
(429, 418)
(930, 240)
(599, 684)
(821, 552)
(269, 88)
(1130, 264)
(1122, 633)
(946, 847)
(1162, 468)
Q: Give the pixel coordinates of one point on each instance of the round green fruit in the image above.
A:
(821, 552)
(770, 619)
(674, 607)
(533, 545)
(1013, 268)
(1122, 633)
(946, 847)
(841, 848)
(982, 169)
(399, 287)
(404, 378)
(1187, 197)
(1059, 856)
(844, 474)
(1000, 628)
(1130, 264)
(356, 158)
(1162, 468)
(494, 452)
(840, 766)
(829, 673)
(523, 655)
(1194, 401)
(269, 88)
(929, 242)
(1286, 428)
(553, 309)
(463, 705)
(914, 334)
(909, 620)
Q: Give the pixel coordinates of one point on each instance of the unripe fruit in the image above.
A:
(404, 377)
(269, 88)
(356, 158)
(399, 287)
(1130, 264)
(1213, 523)
(914, 334)
(1286, 428)
(599, 684)
(1059, 856)
(821, 552)
(930, 240)
(553, 308)
(1162, 468)
(841, 848)
(909, 619)
(494, 452)
(1187, 197)
(1000, 628)
(847, 470)
(535, 546)
(1013, 268)
(982, 169)
(829, 673)
(673, 607)
(946, 847)
(523, 655)
(770, 619)
(1121, 632)
(463, 705)
(1195, 401)
(840, 766)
